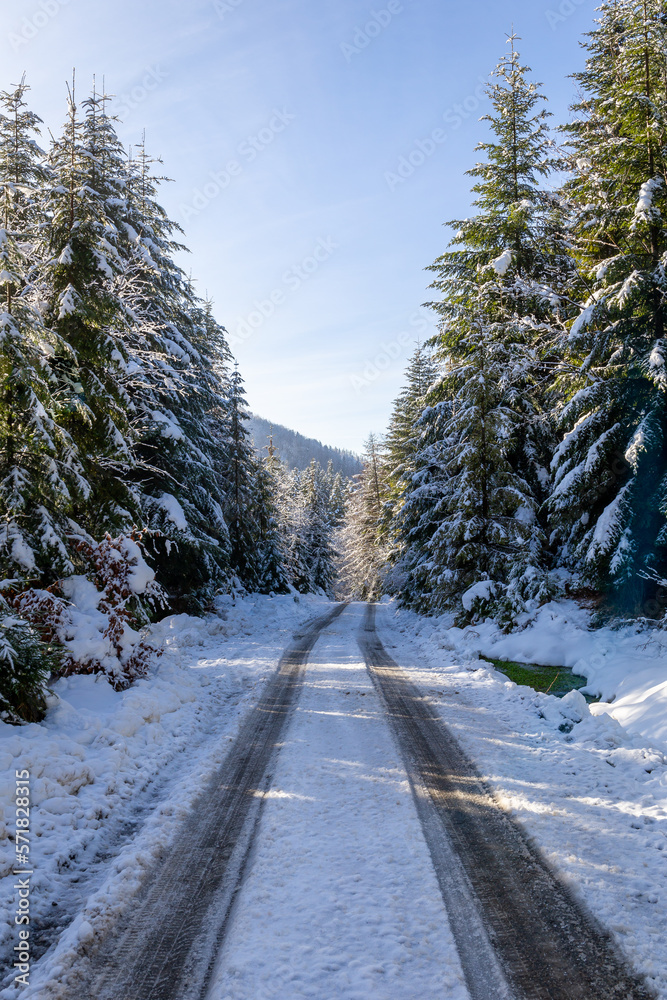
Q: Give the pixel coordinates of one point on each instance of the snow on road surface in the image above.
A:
(341, 899)
(591, 795)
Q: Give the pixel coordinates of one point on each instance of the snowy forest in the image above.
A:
(129, 482)
(383, 717)
(526, 455)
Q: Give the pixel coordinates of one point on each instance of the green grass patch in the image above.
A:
(554, 680)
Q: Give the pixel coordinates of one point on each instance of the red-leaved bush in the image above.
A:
(94, 618)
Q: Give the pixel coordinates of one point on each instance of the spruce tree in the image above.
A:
(241, 500)
(402, 444)
(319, 529)
(272, 574)
(363, 561)
(608, 505)
(174, 358)
(39, 466)
(78, 280)
(292, 523)
(487, 535)
(504, 286)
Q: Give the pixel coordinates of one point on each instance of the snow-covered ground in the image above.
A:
(112, 774)
(594, 798)
(341, 900)
(626, 667)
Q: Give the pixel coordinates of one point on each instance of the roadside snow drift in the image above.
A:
(112, 774)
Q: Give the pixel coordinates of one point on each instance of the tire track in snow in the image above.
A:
(167, 946)
(519, 931)
(341, 900)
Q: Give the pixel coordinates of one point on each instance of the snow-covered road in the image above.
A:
(341, 900)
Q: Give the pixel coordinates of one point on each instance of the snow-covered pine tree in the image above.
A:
(609, 501)
(338, 495)
(402, 443)
(241, 500)
(272, 574)
(319, 529)
(362, 557)
(183, 457)
(26, 662)
(486, 551)
(173, 358)
(38, 463)
(414, 522)
(78, 283)
(503, 288)
(292, 525)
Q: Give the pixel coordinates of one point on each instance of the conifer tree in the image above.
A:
(78, 280)
(272, 575)
(402, 443)
(173, 357)
(416, 520)
(487, 537)
(240, 474)
(319, 528)
(338, 497)
(38, 463)
(363, 558)
(292, 522)
(608, 505)
(504, 285)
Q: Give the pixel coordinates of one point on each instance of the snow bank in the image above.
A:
(103, 759)
(174, 511)
(588, 783)
(624, 667)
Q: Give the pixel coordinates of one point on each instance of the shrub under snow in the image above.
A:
(96, 619)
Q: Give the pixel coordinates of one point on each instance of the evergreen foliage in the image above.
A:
(608, 505)
(25, 664)
(363, 557)
(402, 440)
(40, 469)
(120, 416)
(541, 444)
(503, 285)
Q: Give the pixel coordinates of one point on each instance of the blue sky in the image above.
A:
(299, 136)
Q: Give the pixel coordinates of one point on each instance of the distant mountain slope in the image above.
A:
(297, 451)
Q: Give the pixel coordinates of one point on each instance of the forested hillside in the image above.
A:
(297, 451)
(526, 455)
(128, 482)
